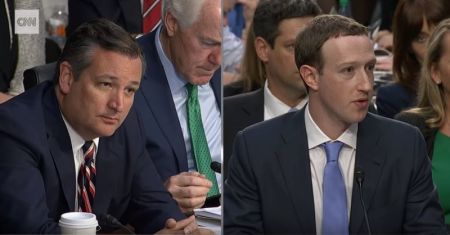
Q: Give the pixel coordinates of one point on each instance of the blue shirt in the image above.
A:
(212, 122)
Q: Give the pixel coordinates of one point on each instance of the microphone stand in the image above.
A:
(359, 176)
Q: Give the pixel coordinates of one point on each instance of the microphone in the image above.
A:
(111, 221)
(216, 167)
(359, 177)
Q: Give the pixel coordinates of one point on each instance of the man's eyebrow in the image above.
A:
(114, 78)
(211, 40)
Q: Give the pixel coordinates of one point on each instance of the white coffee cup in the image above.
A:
(78, 223)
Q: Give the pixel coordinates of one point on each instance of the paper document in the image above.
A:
(214, 213)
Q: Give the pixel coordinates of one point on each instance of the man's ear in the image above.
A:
(170, 23)
(66, 77)
(262, 49)
(310, 76)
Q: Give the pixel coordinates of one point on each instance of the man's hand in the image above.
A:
(189, 189)
(4, 97)
(185, 226)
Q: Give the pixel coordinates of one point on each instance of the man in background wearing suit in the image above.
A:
(183, 59)
(295, 173)
(8, 47)
(125, 13)
(275, 24)
(46, 170)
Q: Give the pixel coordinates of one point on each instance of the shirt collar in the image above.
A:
(316, 136)
(75, 139)
(175, 80)
(276, 107)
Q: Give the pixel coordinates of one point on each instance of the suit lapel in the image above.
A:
(106, 162)
(369, 158)
(254, 107)
(159, 100)
(216, 84)
(60, 147)
(296, 170)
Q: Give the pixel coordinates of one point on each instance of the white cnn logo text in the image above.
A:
(30, 21)
(27, 21)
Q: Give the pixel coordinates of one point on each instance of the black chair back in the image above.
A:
(38, 74)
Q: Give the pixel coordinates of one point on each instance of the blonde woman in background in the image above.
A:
(432, 115)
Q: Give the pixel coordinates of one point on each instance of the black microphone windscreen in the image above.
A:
(216, 167)
(359, 174)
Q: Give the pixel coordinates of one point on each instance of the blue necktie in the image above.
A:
(335, 219)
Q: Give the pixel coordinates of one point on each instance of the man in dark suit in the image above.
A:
(184, 52)
(8, 47)
(44, 168)
(283, 90)
(125, 13)
(294, 174)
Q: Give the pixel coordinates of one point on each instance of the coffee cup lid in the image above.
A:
(78, 220)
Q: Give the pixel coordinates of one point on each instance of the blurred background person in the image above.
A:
(275, 26)
(413, 22)
(432, 113)
(8, 47)
(135, 16)
(232, 47)
(29, 48)
(251, 75)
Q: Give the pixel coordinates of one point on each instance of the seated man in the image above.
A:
(180, 100)
(295, 174)
(283, 90)
(44, 166)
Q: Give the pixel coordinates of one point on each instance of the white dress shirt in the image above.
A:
(211, 119)
(273, 107)
(318, 160)
(77, 143)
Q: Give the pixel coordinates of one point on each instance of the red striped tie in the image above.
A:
(86, 179)
(151, 15)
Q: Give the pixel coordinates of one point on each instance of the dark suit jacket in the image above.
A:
(8, 51)
(418, 121)
(125, 13)
(154, 103)
(269, 189)
(239, 112)
(393, 98)
(38, 173)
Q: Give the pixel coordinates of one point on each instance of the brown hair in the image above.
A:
(99, 33)
(267, 18)
(252, 68)
(309, 42)
(407, 25)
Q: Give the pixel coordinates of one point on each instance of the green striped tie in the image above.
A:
(198, 139)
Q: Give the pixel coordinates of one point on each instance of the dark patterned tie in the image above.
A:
(86, 179)
(335, 219)
(199, 143)
(151, 15)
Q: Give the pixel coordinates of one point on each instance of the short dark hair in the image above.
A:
(309, 42)
(99, 33)
(269, 14)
